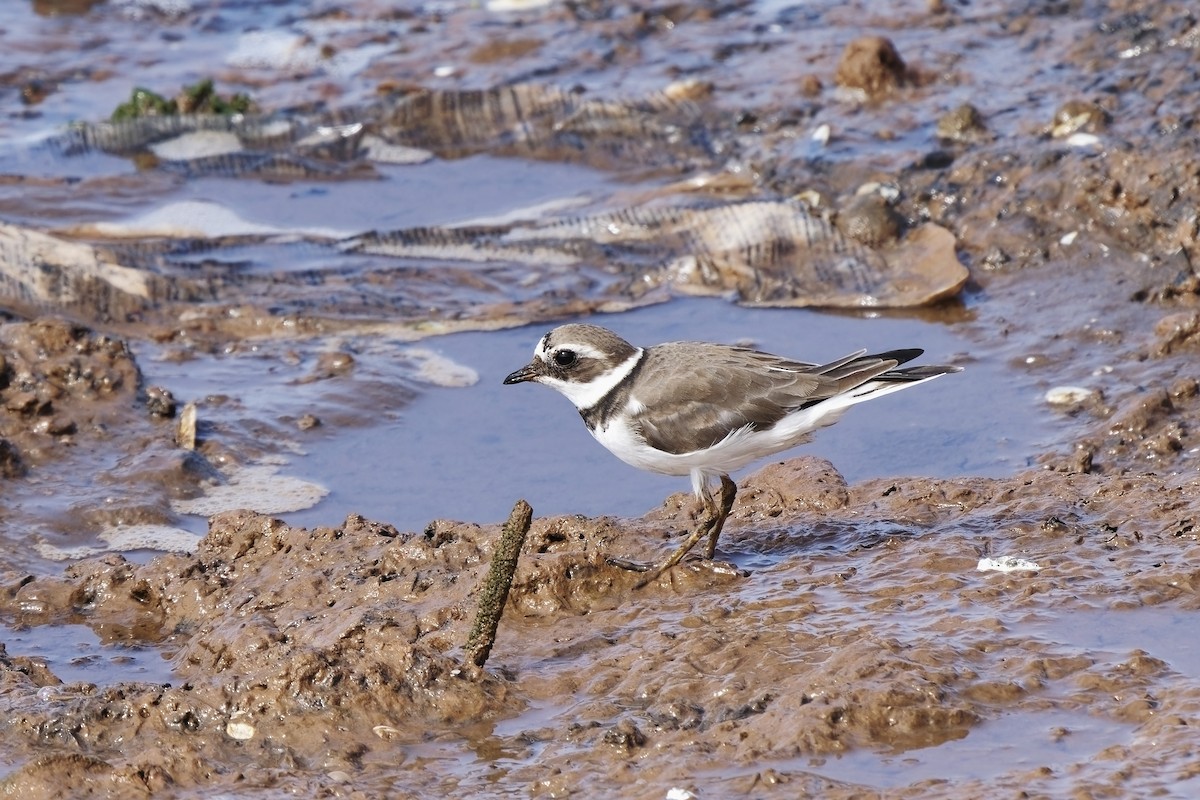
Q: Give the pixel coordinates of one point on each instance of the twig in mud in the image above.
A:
(496, 585)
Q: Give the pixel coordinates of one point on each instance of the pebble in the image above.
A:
(242, 731)
(1007, 564)
(1069, 395)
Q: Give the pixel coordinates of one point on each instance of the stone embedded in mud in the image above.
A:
(1185, 388)
(870, 219)
(239, 729)
(873, 65)
(10, 460)
(57, 425)
(330, 364)
(1078, 116)
(625, 736)
(962, 124)
(1070, 395)
(810, 85)
(160, 402)
(689, 89)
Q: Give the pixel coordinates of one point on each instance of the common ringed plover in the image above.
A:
(705, 410)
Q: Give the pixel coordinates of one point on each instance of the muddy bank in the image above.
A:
(334, 654)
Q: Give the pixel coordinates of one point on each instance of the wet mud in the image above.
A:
(885, 637)
(336, 655)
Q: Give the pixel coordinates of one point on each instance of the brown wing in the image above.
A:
(697, 394)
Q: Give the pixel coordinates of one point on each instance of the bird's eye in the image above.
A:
(565, 358)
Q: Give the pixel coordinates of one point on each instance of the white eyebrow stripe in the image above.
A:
(581, 350)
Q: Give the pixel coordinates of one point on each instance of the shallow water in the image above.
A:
(1052, 740)
(76, 654)
(526, 441)
(1160, 632)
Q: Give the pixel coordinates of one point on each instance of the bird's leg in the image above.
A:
(710, 522)
(728, 492)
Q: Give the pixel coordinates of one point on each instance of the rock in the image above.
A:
(160, 402)
(963, 124)
(873, 65)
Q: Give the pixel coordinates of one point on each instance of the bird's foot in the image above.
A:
(652, 572)
(714, 519)
(626, 564)
(643, 567)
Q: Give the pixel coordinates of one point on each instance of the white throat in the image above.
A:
(586, 395)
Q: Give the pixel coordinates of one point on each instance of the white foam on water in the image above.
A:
(259, 488)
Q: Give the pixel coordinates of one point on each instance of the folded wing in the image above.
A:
(700, 393)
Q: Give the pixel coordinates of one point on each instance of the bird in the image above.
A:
(705, 410)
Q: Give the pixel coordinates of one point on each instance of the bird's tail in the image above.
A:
(862, 377)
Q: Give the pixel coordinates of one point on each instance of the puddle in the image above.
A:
(437, 192)
(476, 450)
(75, 654)
(434, 193)
(1011, 743)
(1164, 633)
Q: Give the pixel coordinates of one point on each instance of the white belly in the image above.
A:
(733, 452)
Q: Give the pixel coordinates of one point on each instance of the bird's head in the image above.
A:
(583, 362)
